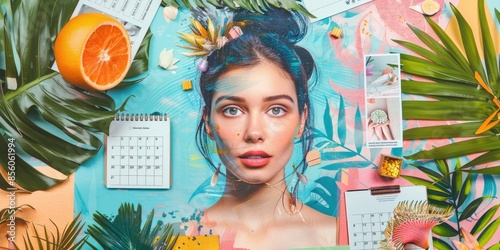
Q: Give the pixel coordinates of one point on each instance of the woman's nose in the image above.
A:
(255, 130)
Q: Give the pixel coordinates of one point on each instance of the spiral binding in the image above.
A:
(141, 117)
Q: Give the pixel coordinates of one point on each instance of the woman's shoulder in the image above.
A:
(325, 227)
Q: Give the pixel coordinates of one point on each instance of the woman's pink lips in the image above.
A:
(255, 159)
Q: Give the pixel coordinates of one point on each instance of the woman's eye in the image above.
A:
(277, 111)
(231, 111)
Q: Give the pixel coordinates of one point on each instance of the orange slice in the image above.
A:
(93, 51)
(430, 7)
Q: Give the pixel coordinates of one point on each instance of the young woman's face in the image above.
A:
(254, 120)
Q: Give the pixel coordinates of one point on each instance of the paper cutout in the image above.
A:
(197, 242)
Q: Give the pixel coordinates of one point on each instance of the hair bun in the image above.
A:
(289, 26)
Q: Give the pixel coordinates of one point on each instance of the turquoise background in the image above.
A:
(161, 92)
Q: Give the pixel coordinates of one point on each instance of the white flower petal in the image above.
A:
(170, 13)
(166, 58)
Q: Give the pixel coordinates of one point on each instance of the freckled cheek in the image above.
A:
(228, 133)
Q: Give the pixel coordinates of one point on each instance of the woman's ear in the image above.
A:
(303, 119)
(208, 128)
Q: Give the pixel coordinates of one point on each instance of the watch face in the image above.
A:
(378, 116)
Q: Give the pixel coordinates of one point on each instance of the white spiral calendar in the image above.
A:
(369, 211)
(138, 152)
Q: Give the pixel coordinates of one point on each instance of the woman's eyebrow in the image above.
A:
(230, 98)
(277, 97)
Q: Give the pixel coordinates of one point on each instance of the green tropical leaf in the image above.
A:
(441, 244)
(125, 232)
(140, 64)
(488, 233)
(65, 240)
(472, 207)
(458, 130)
(444, 89)
(490, 59)
(443, 168)
(465, 190)
(457, 149)
(62, 136)
(6, 213)
(470, 45)
(438, 195)
(446, 110)
(485, 219)
(456, 184)
(490, 156)
(444, 229)
(490, 170)
(45, 118)
(454, 93)
(418, 66)
(428, 184)
(494, 246)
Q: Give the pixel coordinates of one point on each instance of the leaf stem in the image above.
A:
(25, 87)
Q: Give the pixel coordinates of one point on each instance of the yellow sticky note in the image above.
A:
(197, 242)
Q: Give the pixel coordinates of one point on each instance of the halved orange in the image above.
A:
(93, 51)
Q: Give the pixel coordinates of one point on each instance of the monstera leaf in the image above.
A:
(45, 119)
(459, 87)
(252, 5)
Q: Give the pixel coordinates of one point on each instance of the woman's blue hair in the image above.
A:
(269, 37)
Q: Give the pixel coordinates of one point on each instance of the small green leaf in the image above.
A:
(438, 195)
(444, 229)
(465, 190)
(441, 244)
(443, 168)
(488, 233)
(456, 183)
(472, 207)
(485, 219)
(419, 181)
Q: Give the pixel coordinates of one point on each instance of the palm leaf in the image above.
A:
(454, 91)
(125, 232)
(6, 213)
(65, 240)
(252, 5)
(45, 117)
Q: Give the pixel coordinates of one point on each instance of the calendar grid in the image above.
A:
(368, 214)
(137, 161)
